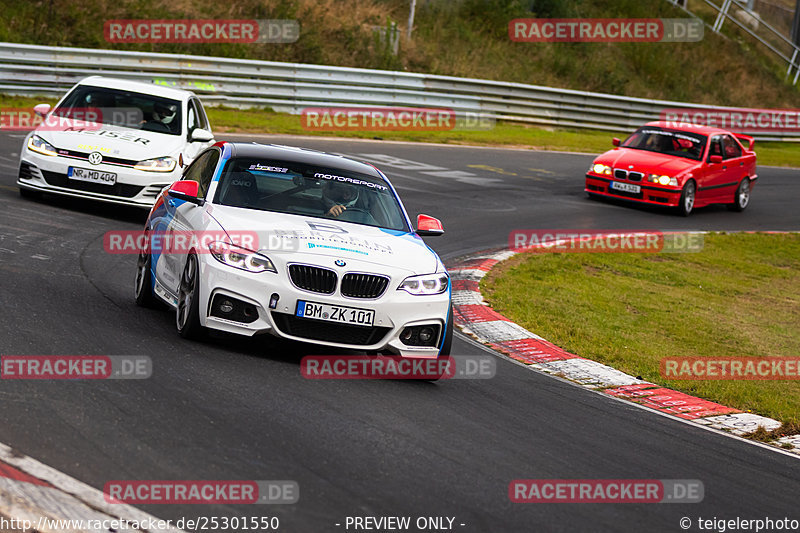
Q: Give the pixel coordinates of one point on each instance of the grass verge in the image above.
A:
(509, 134)
(740, 296)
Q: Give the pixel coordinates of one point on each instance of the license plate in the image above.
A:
(627, 187)
(92, 176)
(335, 313)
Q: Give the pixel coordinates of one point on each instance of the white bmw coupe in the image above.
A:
(299, 244)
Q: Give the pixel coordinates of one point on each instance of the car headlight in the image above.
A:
(599, 168)
(159, 164)
(39, 145)
(662, 180)
(425, 284)
(241, 258)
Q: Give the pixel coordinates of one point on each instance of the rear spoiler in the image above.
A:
(746, 140)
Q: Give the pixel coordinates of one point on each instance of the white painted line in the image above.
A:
(470, 274)
(791, 440)
(500, 330)
(467, 298)
(67, 499)
(589, 373)
(740, 423)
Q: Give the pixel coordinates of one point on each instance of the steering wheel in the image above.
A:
(368, 219)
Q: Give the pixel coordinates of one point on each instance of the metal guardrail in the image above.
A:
(290, 87)
(773, 39)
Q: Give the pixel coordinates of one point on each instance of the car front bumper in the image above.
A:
(394, 311)
(649, 194)
(50, 174)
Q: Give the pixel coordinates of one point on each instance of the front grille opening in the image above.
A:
(118, 189)
(314, 279)
(620, 174)
(229, 308)
(425, 335)
(364, 285)
(320, 330)
(635, 176)
(27, 171)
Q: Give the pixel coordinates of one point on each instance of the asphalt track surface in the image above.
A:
(239, 408)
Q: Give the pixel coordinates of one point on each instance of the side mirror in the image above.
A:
(41, 109)
(201, 135)
(187, 191)
(615, 141)
(428, 226)
(716, 159)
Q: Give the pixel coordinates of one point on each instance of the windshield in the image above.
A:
(124, 108)
(669, 142)
(302, 189)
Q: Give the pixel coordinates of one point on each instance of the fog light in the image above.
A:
(425, 335)
(406, 335)
(226, 306)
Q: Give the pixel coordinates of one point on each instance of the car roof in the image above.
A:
(685, 126)
(137, 86)
(300, 155)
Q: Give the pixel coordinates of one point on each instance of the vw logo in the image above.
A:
(95, 158)
(339, 263)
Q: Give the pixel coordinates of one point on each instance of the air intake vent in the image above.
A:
(313, 279)
(364, 285)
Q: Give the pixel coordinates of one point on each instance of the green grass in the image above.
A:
(229, 120)
(458, 38)
(740, 296)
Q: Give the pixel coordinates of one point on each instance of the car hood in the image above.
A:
(647, 162)
(113, 141)
(311, 239)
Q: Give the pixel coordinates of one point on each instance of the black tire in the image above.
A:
(143, 287)
(30, 194)
(688, 195)
(448, 334)
(187, 314)
(741, 198)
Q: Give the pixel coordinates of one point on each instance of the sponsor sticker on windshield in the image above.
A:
(268, 168)
(353, 181)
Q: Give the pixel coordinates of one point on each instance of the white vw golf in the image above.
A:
(299, 244)
(113, 140)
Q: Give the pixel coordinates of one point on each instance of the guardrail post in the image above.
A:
(723, 12)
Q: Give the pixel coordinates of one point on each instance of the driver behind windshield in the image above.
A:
(338, 196)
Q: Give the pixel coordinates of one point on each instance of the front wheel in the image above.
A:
(742, 197)
(448, 334)
(187, 316)
(686, 203)
(144, 281)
